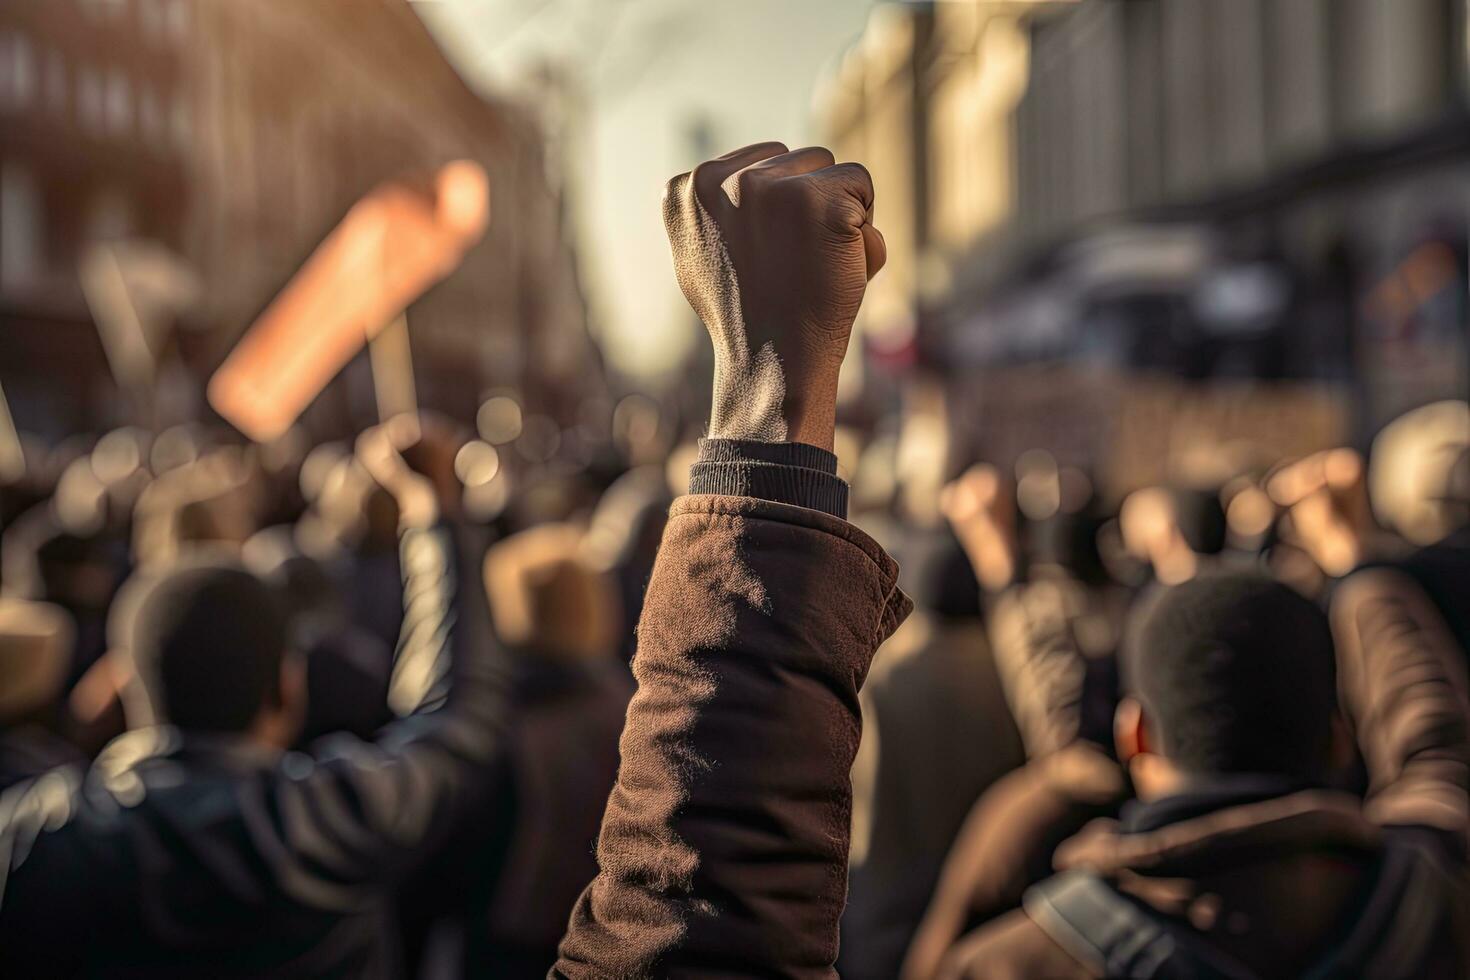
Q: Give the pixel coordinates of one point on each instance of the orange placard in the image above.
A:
(391, 247)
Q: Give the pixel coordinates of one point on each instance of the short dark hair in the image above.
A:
(207, 642)
(1235, 673)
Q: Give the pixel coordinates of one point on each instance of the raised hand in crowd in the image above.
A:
(983, 517)
(774, 249)
(724, 848)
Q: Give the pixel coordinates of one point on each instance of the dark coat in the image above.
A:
(1279, 888)
(189, 856)
(936, 733)
(504, 883)
(1287, 884)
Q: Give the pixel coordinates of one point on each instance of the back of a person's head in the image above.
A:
(937, 576)
(546, 598)
(206, 640)
(1236, 674)
(300, 581)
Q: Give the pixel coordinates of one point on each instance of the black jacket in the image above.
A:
(191, 856)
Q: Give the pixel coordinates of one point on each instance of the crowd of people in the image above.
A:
(292, 711)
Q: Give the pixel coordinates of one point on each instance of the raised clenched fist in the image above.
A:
(774, 249)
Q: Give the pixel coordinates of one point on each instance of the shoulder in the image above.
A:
(35, 808)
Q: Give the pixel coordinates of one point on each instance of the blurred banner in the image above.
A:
(390, 248)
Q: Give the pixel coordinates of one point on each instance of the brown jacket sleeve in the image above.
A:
(724, 846)
(1402, 680)
(1041, 669)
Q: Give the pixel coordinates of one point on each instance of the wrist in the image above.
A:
(760, 403)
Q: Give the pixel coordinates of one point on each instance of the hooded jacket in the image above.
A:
(1281, 881)
(1287, 885)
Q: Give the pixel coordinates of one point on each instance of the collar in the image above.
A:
(1206, 794)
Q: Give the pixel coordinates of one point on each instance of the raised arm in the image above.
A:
(354, 812)
(724, 846)
(1403, 684)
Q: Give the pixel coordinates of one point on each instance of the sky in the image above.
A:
(648, 71)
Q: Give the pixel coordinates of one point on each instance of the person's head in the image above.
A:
(937, 576)
(301, 583)
(545, 598)
(205, 650)
(1226, 673)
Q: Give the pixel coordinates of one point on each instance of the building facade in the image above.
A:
(95, 137)
(1217, 191)
(238, 135)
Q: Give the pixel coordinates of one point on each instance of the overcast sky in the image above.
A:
(649, 68)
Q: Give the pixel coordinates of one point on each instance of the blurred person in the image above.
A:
(35, 653)
(71, 550)
(936, 733)
(1054, 613)
(1419, 487)
(723, 850)
(347, 668)
(350, 527)
(196, 844)
(507, 881)
(1399, 614)
(1235, 857)
(1396, 612)
(1054, 634)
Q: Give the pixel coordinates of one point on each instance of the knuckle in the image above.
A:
(745, 181)
(704, 178)
(860, 176)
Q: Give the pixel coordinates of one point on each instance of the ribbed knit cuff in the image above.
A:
(785, 472)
